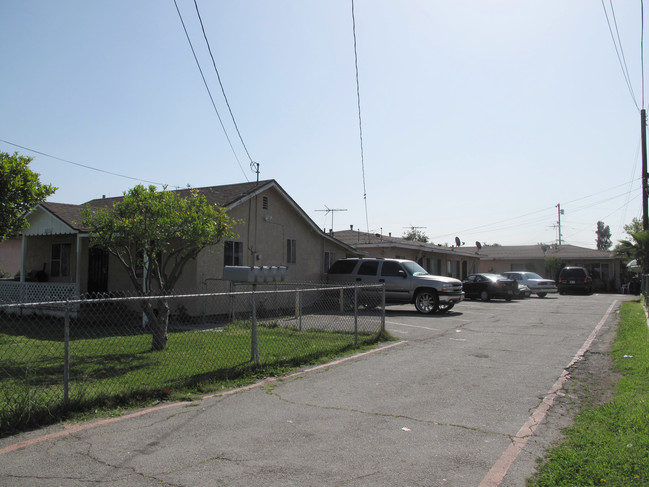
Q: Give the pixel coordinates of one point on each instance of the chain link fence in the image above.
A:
(78, 354)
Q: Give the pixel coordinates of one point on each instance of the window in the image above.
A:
(343, 266)
(391, 268)
(232, 253)
(368, 268)
(290, 251)
(329, 258)
(61, 259)
(264, 202)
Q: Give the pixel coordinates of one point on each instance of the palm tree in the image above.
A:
(637, 248)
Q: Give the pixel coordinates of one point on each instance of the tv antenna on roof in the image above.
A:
(332, 211)
(254, 167)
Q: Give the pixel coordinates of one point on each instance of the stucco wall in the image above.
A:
(10, 251)
(264, 233)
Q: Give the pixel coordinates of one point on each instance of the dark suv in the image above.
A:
(405, 282)
(574, 279)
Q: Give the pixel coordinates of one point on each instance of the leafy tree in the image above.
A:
(552, 267)
(416, 235)
(20, 192)
(603, 233)
(159, 232)
(637, 248)
(634, 227)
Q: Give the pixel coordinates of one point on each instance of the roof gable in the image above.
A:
(228, 196)
(53, 219)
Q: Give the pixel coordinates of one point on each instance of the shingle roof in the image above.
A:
(70, 214)
(531, 252)
(225, 195)
(359, 239)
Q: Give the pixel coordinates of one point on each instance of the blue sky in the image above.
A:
(478, 117)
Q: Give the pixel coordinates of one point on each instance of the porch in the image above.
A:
(12, 292)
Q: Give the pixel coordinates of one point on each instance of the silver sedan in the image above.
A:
(537, 284)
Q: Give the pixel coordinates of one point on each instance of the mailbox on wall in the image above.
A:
(240, 273)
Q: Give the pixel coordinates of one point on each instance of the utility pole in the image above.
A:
(643, 133)
(559, 212)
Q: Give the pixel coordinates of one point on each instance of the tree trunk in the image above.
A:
(158, 323)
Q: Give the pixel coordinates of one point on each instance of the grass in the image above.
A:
(609, 444)
(118, 368)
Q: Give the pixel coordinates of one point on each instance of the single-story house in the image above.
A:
(57, 261)
(439, 260)
(603, 266)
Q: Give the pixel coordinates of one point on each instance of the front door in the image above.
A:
(97, 270)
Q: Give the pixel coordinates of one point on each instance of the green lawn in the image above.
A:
(609, 444)
(119, 368)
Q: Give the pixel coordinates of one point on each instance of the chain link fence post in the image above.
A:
(383, 308)
(298, 306)
(66, 353)
(254, 347)
(356, 315)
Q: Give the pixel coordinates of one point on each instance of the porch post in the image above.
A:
(23, 251)
(78, 273)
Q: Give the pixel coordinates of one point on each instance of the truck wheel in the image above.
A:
(445, 307)
(426, 301)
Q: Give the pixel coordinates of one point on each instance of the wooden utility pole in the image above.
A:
(645, 195)
(559, 213)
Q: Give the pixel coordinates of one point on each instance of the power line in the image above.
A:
(620, 51)
(360, 121)
(218, 76)
(511, 222)
(225, 132)
(642, 47)
(83, 165)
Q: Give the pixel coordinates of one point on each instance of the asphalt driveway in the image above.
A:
(460, 401)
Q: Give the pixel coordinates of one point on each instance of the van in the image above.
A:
(406, 282)
(575, 279)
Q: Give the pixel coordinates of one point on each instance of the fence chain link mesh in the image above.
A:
(81, 353)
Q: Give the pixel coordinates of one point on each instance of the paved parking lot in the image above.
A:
(455, 403)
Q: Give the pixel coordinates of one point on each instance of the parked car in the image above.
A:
(537, 284)
(575, 279)
(405, 282)
(522, 291)
(487, 286)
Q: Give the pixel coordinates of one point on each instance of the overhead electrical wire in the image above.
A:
(225, 132)
(83, 165)
(642, 47)
(620, 52)
(511, 222)
(360, 120)
(218, 76)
